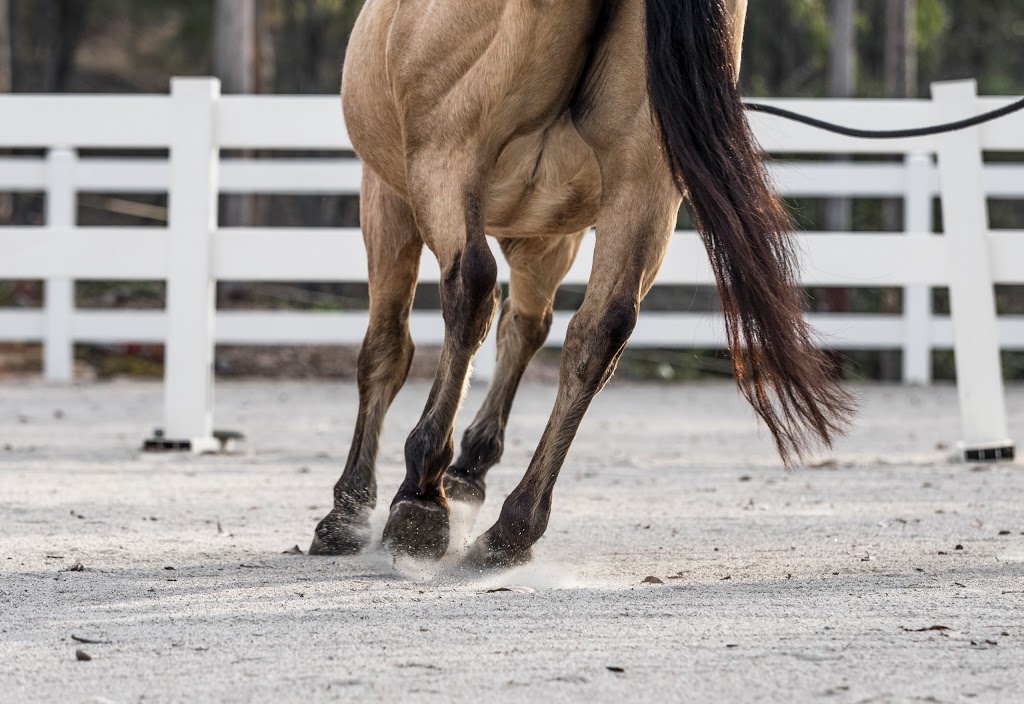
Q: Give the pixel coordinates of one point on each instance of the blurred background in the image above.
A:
(793, 48)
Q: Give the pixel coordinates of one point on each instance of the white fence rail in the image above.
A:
(191, 253)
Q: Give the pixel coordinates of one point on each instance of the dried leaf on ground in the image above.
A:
(89, 641)
(652, 580)
(929, 628)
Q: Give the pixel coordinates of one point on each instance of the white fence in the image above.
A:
(192, 253)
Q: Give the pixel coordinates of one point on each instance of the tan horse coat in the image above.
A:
(530, 121)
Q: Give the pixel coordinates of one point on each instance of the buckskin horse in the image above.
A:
(533, 121)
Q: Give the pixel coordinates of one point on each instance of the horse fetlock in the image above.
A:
(427, 455)
(482, 448)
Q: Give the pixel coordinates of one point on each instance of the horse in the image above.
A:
(532, 121)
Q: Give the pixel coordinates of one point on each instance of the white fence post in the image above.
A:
(59, 295)
(192, 222)
(917, 300)
(972, 298)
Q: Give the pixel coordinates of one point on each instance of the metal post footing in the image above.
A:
(1000, 452)
(220, 442)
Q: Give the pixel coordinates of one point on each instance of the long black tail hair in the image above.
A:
(717, 163)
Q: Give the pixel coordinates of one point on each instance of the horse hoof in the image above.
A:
(340, 534)
(463, 490)
(418, 529)
(487, 555)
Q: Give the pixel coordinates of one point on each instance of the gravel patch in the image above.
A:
(880, 572)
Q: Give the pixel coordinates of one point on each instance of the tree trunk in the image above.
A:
(900, 82)
(842, 84)
(6, 86)
(235, 45)
(264, 80)
(264, 56)
(234, 63)
(70, 27)
(900, 49)
(6, 65)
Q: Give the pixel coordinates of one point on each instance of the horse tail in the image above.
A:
(715, 160)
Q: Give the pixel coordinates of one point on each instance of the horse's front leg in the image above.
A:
(633, 231)
(447, 200)
(393, 248)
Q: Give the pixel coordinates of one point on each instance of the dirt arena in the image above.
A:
(882, 573)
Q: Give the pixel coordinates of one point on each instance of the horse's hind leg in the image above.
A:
(393, 248)
(538, 265)
(633, 231)
(449, 212)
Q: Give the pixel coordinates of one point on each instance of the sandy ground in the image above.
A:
(784, 586)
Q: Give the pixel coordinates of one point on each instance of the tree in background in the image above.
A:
(6, 76)
(234, 45)
(5, 47)
(136, 46)
(234, 63)
(799, 48)
(842, 83)
(46, 38)
(901, 49)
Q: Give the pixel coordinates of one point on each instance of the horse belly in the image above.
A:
(544, 183)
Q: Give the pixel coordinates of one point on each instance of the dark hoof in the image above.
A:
(418, 529)
(488, 554)
(341, 534)
(464, 490)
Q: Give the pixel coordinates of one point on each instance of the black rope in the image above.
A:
(889, 134)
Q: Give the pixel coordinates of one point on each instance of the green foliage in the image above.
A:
(932, 23)
(786, 48)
